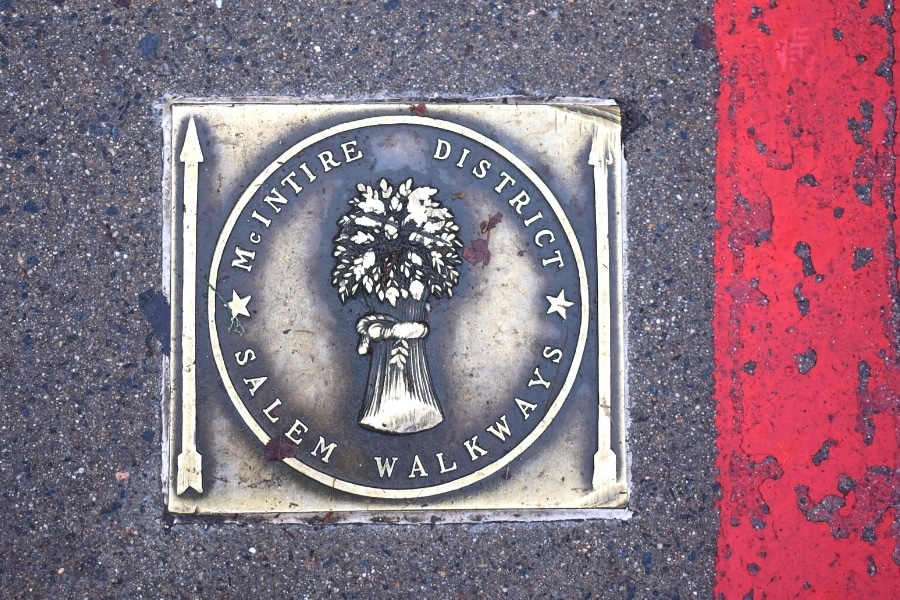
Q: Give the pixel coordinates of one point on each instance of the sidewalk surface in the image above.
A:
(762, 293)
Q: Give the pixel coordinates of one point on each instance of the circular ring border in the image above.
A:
(555, 406)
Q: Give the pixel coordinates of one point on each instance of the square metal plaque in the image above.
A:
(391, 312)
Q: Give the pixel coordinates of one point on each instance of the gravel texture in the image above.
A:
(81, 233)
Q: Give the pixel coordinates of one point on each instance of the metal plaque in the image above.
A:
(382, 309)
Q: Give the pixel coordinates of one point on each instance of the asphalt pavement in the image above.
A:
(81, 159)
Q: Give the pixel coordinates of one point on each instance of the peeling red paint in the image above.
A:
(750, 220)
(746, 500)
(883, 398)
(807, 311)
(872, 496)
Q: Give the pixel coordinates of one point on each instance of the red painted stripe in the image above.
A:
(806, 313)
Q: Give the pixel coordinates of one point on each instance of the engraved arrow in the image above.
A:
(190, 474)
(601, 158)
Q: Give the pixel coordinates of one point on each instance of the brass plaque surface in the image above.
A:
(381, 309)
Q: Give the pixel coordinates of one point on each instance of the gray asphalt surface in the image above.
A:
(81, 237)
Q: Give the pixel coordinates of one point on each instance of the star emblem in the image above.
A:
(559, 304)
(238, 305)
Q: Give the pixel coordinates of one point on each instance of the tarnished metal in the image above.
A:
(383, 308)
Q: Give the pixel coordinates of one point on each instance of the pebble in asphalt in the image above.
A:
(80, 170)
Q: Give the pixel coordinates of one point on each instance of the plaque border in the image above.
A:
(613, 195)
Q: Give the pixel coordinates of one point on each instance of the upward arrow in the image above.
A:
(191, 152)
(189, 461)
(601, 158)
(596, 158)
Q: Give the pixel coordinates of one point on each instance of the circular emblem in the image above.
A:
(399, 307)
